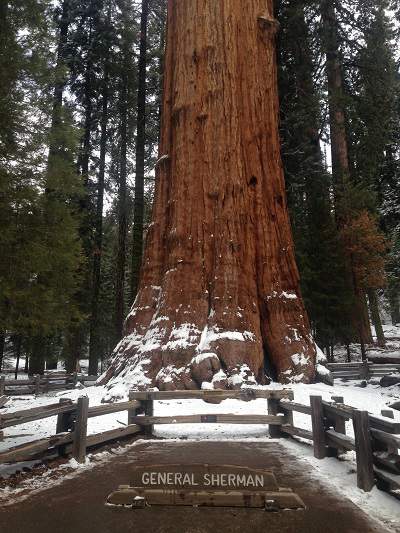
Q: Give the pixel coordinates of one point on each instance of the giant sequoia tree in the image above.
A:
(218, 298)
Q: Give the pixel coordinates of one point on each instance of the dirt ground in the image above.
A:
(77, 505)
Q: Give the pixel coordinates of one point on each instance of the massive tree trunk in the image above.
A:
(219, 297)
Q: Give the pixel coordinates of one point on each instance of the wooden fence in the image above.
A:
(43, 384)
(376, 439)
(362, 370)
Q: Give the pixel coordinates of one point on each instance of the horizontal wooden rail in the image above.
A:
(386, 438)
(242, 394)
(36, 413)
(297, 432)
(25, 452)
(209, 419)
(106, 409)
(336, 439)
(297, 407)
(387, 480)
(112, 434)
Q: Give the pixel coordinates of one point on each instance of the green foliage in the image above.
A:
(41, 252)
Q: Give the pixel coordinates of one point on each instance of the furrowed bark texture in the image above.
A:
(219, 290)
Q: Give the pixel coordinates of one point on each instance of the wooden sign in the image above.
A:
(204, 485)
(203, 477)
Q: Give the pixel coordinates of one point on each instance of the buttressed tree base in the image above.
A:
(219, 300)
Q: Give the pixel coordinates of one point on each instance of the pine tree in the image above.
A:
(308, 183)
(138, 207)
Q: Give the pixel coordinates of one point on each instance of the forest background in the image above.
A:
(80, 97)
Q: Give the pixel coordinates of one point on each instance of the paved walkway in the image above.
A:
(77, 505)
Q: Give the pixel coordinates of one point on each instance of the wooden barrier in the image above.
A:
(362, 370)
(43, 384)
(376, 441)
(71, 429)
(71, 426)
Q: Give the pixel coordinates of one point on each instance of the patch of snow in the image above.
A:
(207, 386)
(182, 337)
(299, 359)
(210, 335)
(321, 357)
(197, 359)
(322, 370)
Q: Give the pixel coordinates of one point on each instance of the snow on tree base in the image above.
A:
(191, 360)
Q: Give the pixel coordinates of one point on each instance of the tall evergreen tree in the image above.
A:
(138, 206)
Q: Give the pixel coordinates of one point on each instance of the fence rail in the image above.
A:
(376, 439)
(362, 370)
(43, 384)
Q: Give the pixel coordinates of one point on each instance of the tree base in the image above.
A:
(194, 360)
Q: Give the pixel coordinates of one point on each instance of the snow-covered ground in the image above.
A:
(392, 348)
(340, 474)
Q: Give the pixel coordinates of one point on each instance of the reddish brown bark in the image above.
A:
(219, 286)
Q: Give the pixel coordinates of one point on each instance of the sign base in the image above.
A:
(138, 498)
(204, 485)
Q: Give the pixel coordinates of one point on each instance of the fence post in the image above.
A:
(2, 385)
(80, 433)
(339, 425)
(273, 409)
(63, 419)
(37, 385)
(365, 464)
(132, 412)
(148, 406)
(340, 422)
(64, 423)
(318, 427)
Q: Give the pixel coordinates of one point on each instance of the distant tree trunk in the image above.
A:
(2, 345)
(394, 301)
(61, 80)
(37, 358)
(73, 349)
(348, 353)
(376, 319)
(94, 342)
(219, 289)
(138, 207)
(18, 346)
(340, 152)
(122, 210)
